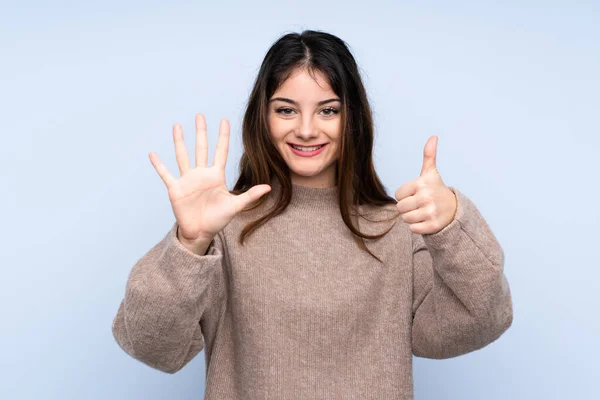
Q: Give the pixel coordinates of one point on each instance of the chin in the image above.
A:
(305, 173)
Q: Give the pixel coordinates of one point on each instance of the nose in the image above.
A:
(307, 130)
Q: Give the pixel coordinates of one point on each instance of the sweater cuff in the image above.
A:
(451, 232)
(178, 264)
(467, 221)
(179, 269)
(184, 253)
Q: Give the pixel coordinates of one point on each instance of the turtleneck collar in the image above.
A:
(308, 198)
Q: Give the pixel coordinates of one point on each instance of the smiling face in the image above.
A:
(305, 113)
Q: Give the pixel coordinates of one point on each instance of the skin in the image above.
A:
(426, 203)
(303, 121)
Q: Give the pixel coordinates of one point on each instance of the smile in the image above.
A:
(307, 151)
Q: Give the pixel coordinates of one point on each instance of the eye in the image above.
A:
(284, 111)
(329, 111)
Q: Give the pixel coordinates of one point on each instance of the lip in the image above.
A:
(307, 153)
(306, 145)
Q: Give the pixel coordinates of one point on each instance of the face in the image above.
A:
(305, 126)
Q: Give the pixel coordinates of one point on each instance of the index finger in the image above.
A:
(406, 190)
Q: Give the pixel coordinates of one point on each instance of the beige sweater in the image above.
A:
(300, 312)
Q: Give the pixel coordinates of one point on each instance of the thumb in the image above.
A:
(251, 195)
(429, 155)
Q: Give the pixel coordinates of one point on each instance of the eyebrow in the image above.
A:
(284, 99)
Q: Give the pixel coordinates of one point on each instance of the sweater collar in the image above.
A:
(308, 198)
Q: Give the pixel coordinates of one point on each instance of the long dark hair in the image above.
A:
(261, 161)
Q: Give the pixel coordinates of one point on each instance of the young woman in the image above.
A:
(307, 281)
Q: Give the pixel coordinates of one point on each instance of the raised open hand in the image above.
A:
(200, 199)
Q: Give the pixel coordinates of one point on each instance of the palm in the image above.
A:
(201, 189)
(200, 199)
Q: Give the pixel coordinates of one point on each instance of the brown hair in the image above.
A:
(261, 161)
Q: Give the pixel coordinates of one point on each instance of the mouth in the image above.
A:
(307, 151)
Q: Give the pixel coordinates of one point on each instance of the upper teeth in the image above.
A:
(307, 148)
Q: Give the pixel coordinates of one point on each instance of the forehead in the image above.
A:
(302, 85)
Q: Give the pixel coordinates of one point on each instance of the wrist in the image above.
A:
(198, 245)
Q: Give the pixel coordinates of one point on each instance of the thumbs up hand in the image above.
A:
(426, 203)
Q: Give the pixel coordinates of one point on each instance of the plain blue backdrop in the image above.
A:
(87, 91)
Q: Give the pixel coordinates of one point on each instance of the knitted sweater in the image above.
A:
(301, 312)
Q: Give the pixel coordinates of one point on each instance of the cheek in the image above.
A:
(277, 128)
(335, 131)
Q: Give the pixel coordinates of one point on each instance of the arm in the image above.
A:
(167, 292)
(461, 297)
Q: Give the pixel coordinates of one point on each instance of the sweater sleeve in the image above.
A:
(167, 291)
(461, 297)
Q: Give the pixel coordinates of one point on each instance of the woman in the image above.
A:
(307, 281)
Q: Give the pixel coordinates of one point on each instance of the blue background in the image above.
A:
(512, 89)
